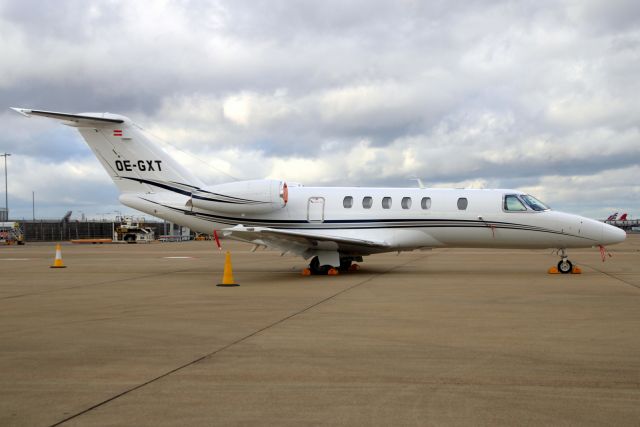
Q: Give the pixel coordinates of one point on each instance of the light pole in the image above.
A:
(6, 186)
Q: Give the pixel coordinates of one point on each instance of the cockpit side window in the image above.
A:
(513, 204)
(534, 203)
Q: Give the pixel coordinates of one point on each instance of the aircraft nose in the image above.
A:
(612, 235)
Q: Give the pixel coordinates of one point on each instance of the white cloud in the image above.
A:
(477, 94)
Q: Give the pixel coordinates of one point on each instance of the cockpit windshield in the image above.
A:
(534, 203)
(513, 204)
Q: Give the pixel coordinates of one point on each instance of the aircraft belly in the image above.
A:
(494, 237)
(413, 239)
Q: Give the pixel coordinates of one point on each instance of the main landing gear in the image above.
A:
(321, 270)
(564, 265)
(315, 269)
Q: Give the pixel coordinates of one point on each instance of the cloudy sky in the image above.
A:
(542, 96)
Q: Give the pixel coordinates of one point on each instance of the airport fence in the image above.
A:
(51, 231)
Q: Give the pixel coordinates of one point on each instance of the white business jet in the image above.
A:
(330, 226)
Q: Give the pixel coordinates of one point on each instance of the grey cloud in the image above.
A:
(45, 141)
(74, 21)
(607, 17)
(467, 86)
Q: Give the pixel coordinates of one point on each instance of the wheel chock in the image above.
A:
(576, 270)
(354, 267)
(333, 272)
(306, 272)
(553, 270)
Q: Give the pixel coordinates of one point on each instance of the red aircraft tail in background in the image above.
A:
(623, 217)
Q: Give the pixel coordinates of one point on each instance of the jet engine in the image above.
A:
(242, 197)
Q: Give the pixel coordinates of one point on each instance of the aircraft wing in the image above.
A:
(75, 119)
(302, 241)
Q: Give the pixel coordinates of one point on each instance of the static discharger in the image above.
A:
(227, 276)
(57, 263)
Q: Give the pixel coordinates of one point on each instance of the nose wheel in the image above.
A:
(564, 265)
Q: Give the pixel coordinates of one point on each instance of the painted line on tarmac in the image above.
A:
(612, 275)
(178, 257)
(238, 341)
(15, 259)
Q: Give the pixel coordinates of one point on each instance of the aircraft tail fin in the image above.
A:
(133, 162)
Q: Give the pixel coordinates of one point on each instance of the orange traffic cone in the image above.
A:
(227, 276)
(57, 263)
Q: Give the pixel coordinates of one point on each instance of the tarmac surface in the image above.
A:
(140, 335)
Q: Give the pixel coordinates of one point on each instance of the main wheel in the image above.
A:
(316, 268)
(565, 266)
(345, 264)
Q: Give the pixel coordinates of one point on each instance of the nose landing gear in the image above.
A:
(564, 266)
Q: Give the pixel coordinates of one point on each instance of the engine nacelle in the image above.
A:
(242, 197)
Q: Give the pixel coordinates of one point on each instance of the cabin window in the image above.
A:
(462, 203)
(406, 203)
(425, 203)
(386, 202)
(513, 204)
(347, 202)
(534, 203)
(367, 202)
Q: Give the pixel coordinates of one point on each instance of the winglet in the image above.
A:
(24, 111)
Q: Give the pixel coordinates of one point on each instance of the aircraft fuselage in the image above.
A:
(410, 218)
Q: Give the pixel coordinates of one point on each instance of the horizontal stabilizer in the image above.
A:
(134, 162)
(78, 119)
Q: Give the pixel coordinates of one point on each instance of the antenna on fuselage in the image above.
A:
(419, 181)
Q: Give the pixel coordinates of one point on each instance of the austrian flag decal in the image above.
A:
(117, 132)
